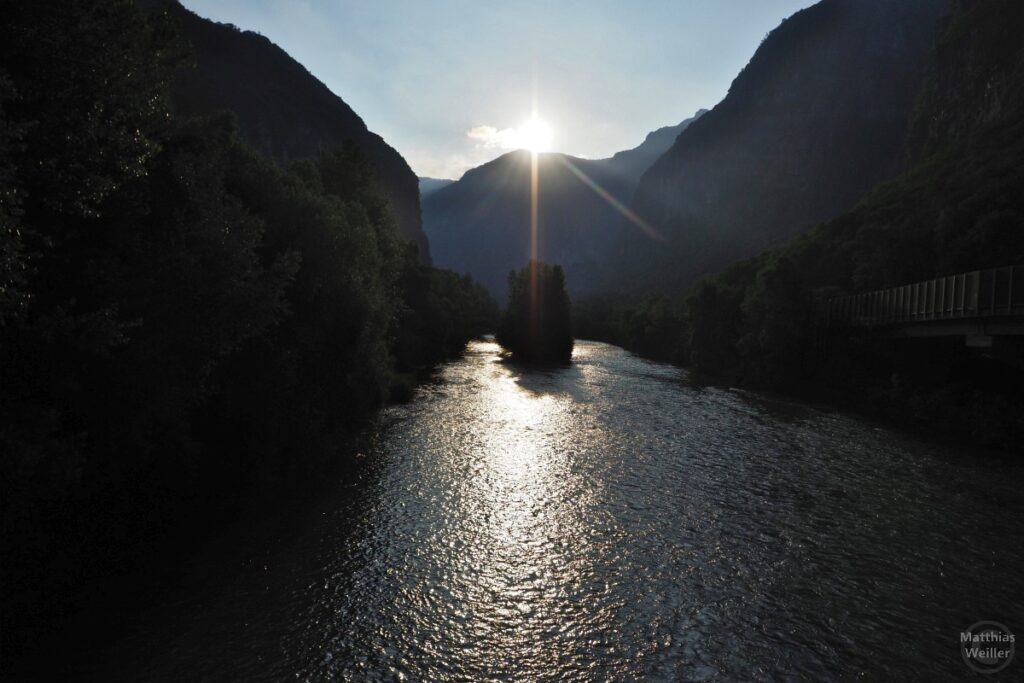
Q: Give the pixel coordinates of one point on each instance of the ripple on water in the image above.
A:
(610, 521)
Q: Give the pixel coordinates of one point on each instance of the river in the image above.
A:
(605, 521)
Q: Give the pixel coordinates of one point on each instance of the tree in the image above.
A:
(537, 325)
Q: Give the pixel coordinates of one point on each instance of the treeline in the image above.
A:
(958, 206)
(176, 311)
(654, 327)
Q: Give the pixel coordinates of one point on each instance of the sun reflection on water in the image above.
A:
(524, 531)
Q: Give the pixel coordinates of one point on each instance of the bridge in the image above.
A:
(979, 305)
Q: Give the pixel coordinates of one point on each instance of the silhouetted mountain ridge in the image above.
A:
(481, 223)
(634, 162)
(284, 111)
(817, 118)
(429, 185)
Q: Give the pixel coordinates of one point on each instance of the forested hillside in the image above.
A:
(180, 317)
(283, 110)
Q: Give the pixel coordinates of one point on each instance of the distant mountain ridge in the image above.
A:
(284, 111)
(428, 185)
(634, 162)
(480, 224)
(816, 119)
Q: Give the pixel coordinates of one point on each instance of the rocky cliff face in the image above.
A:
(284, 111)
(818, 117)
(975, 78)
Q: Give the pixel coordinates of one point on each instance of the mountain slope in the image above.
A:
(429, 185)
(481, 223)
(817, 118)
(634, 162)
(958, 206)
(284, 111)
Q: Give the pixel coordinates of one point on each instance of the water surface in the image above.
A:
(606, 521)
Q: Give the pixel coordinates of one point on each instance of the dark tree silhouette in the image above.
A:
(537, 325)
(179, 316)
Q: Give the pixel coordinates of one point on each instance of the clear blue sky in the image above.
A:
(423, 73)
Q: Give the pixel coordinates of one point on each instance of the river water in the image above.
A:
(605, 521)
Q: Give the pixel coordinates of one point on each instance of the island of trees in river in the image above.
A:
(536, 325)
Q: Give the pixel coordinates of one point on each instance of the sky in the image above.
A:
(450, 83)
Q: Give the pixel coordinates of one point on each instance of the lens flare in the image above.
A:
(626, 212)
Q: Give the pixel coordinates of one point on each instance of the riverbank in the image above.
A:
(940, 390)
(946, 416)
(121, 547)
(108, 554)
(935, 389)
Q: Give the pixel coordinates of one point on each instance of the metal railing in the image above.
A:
(974, 294)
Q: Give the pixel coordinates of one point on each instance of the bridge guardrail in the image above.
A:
(973, 294)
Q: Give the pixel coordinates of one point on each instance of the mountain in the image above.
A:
(959, 206)
(817, 118)
(284, 111)
(975, 81)
(956, 206)
(633, 162)
(480, 224)
(428, 185)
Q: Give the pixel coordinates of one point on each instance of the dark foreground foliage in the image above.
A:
(537, 325)
(959, 206)
(177, 313)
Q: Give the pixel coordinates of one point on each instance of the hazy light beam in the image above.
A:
(628, 213)
(534, 245)
(534, 227)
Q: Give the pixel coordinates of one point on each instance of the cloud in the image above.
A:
(480, 144)
(489, 137)
(426, 162)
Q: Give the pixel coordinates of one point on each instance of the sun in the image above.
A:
(535, 135)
